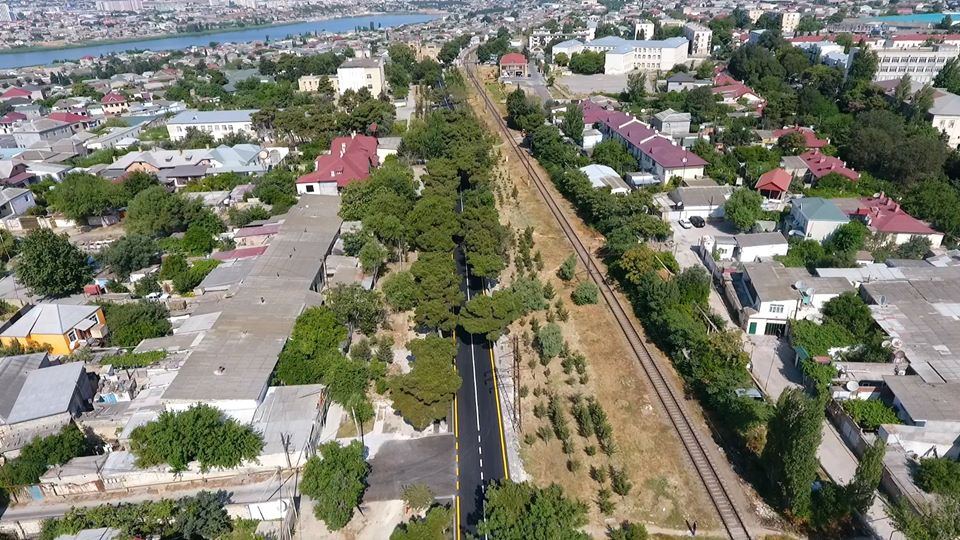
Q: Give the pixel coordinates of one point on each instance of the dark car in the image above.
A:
(698, 222)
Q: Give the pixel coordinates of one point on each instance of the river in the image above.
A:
(345, 24)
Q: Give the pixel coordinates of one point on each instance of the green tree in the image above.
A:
(572, 124)
(865, 64)
(156, 212)
(490, 315)
(200, 433)
(587, 62)
(628, 531)
(418, 496)
(436, 525)
(135, 182)
(401, 291)
(851, 312)
(82, 195)
(790, 453)
(940, 476)
(198, 240)
(335, 481)
(549, 341)
(439, 283)
(41, 453)
(434, 222)
(424, 395)
(129, 253)
(204, 516)
(50, 265)
(134, 322)
(637, 87)
(522, 511)
(585, 293)
(934, 521)
(372, 256)
(188, 280)
(357, 307)
(848, 238)
(949, 76)
(867, 477)
(743, 208)
(568, 268)
(615, 155)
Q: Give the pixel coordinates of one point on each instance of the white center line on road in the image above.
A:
(480, 449)
(473, 360)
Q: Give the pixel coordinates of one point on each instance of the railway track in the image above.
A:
(666, 393)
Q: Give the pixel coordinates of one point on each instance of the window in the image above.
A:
(72, 336)
(776, 308)
(309, 188)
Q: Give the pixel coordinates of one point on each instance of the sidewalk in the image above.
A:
(774, 369)
(503, 354)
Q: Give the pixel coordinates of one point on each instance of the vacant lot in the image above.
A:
(666, 492)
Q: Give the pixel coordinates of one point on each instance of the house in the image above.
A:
(78, 122)
(811, 166)
(62, 327)
(358, 73)
(749, 247)
(602, 176)
(28, 133)
(38, 398)
(114, 103)
(810, 139)
(774, 184)
(944, 114)
(704, 201)
(815, 218)
(685, 81)
(10, 120)
(179, 166)
(27, 92)
(885, 217)
(699, 37)
(15, 201)
(312, 83)
(770, 294)
(736, 94)
(671, 122)
(513, 65)
(216, 123)
(350, 160)
(235, 76)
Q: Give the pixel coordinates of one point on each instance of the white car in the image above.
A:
(684, 223)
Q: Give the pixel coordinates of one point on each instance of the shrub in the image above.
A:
(585, 293)
(940, 476)
(568, 269)
(134, 322)
(135, 360)
(870, 413)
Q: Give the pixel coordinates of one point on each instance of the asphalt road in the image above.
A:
(478, 425)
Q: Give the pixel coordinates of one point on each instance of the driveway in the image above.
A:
(397, 464)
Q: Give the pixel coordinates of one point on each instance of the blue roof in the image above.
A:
(819, 209)
(193, 116)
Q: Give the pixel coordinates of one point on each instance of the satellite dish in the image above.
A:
(852, 386)
(896, 343)
(799, 285)
(886, 343)
(263, 155)
(809, 291)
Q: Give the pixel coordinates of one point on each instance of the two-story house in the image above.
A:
(815, 218)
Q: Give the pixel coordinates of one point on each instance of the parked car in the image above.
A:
(684, 223)
(698, 222)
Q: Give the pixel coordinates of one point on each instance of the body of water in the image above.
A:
(346, 24)
(930, 18)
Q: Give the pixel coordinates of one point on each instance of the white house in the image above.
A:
(358, 73)
(815, 218)
(216, 123)
(746, 247)
(15, 202)
(704, 201)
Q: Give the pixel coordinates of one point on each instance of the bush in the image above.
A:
(132, 323)
(336, 482)
(940, 476)
(870, 413)
(187, 281)
(585, 293)
(134, 360)
(549, 341)
(200, 433)
(42, 453)
(568, 269)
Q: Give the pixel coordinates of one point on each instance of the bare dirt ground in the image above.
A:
(665, 491)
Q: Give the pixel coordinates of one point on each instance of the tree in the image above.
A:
(439, 283)
(204, 516)
(434, 222)
(615, 155)
(424, 395)
(523, 511)
(940, 476)
(187, 281)
(561, 59)
(335, 481)
(848, 238)
(200, 433)
(50, 265)
(851, 312)
(198, 240)
(792, 143)
(949, 76)
(401, 291)
(418, 496)
(934, 521)
(134, 322)
(41, 453)
(436, 525)
(156, 212)
(916, 247)
(313, 347)
(372, 256)
(82, 195)
(135, 182)
(864, 65)
(572, 124)
(357, 307)
(869, 472)
(568, 268)
(743, 208)
(585, 293)
(790, 453)
(628, 531)
(129, 253)
(490, 315)
(549, 341)
(587, 62)
(636, 87)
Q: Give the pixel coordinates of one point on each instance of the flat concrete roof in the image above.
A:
(255, 323)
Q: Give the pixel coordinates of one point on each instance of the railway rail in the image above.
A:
(666, 393)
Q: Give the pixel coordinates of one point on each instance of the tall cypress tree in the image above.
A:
(867, 477)
(790, 455)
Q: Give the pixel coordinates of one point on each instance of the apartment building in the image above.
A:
(789, 21)
(358, 73)
(699, 37)
(217, 123)
(921, 63)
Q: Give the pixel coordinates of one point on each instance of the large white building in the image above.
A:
(699, 37)
(626, 55)
(921, 63)
(358, 73)
(216, 123)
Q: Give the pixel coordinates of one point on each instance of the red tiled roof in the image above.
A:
(240, 253)
(113, 97)
(12, 117)
(809, 136)
(69, 117)
(513, 58)
(821, 165)
(272, 228)
(14, 91)
(669, 155)
(774, 180)
(350, 159)
(885, 215)
(593, 113)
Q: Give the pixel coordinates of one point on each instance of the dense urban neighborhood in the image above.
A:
(435, 270)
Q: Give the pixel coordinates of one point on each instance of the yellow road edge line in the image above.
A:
(457, 526)
(496, 397)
